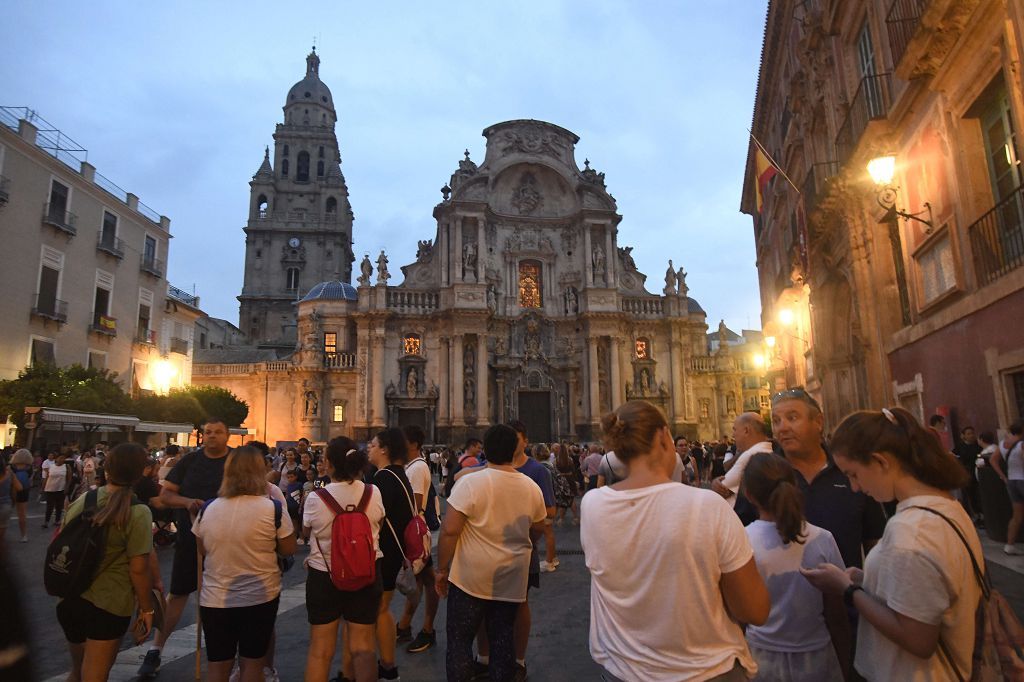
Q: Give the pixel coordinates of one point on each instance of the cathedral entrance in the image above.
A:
(535, 412)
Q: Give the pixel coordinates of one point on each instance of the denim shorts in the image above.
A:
(1015, 486)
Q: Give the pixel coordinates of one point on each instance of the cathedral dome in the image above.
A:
(331, 290)
(311, 90)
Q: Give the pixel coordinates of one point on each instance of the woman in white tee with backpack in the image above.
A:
(326, 603)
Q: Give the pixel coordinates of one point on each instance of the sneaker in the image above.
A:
(481, 671)
(423, 641)
(404, 634)
(520, 675)
(385, 674)
(270, 675)
(1011, 549)
(556, 563)
(150, 665)
(24, 538)
(545, 567)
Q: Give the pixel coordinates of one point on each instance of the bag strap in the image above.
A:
(412, 507)
(405, 559)
(979, 574)
(277, 512)
(328, 499)
(364, 501)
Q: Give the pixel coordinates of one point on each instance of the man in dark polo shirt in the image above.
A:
(195, 479)
(854, 519)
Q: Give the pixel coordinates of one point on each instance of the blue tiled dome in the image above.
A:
(332, 290)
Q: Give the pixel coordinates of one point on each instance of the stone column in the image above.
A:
(483, 417)
(457, 275)
(616, 378)
(378, 382)
(609, 258)
(480, 271)
(456, 391)
(501, 399)
(444, 390)
(588, 255)
(594, 388)
(678, 372)
(441, 249)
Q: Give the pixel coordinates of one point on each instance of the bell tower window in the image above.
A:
(320, 168)
(332, 205)
(530, 285)
(284, 168)
(292, 279)
(261, 206)
(302, 169)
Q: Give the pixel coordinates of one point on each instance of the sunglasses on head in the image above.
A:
(797, 393)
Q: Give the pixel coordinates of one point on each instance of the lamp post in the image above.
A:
(882, 170)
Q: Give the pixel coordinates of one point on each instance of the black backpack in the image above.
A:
(74, 556)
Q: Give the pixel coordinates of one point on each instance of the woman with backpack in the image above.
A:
(240, 533)
(679, 617)
(805, 630)
(918, 593)
(94, 622)
(326, 603)
(387, 452)
(21, 466)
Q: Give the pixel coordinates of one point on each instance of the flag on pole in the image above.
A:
(766, 170)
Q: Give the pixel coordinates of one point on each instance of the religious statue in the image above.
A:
(492, 299)
(670, 279)
(645, 382)
(499, 346)
(469, 257)
(382, 268)
(367, 269)
(627, 257)
(681, 279)
(572, 301)
(723, 339)
(312, 406)
(469, 392)
(424, 248)
(410, 383)
(598, 259)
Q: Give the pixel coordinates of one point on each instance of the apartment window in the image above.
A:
(60, 196)
(143, 326)
(1016, 381)
(97, 359)
(936, 269)
(330, 342)
(338, 413)
(101, 305)
(149, 250)
(302, 169)
(292, 279)
(1001, 144)
(109, 231)
(42, 352)
(866, 64)
(49, 281)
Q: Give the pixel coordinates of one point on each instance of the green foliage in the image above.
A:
(220, 402)
(177, 407)
(71, 388)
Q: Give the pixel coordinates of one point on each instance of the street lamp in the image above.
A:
(786, 317)
(882, 170)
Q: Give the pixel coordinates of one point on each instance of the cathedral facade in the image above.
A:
(522, 305)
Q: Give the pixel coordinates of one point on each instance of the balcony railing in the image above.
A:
(110, 244)
(901, 24)
(103, 324)
(183, 296)
(50, 308)
(997, 239)
(817, 182)
(339, 360)
(4, 191)
(650, 306)
(63, 220)
(411, 301)
(151, 265)
(870, 103)
(179, 346)
(146, 336)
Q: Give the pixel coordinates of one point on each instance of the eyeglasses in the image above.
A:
(797, 393)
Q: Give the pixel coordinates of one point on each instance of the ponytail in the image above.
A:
(124, 466)
(347, 462)
(769, 482)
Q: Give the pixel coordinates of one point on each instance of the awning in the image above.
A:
(163, 427)
(242, 432)
(53, 415)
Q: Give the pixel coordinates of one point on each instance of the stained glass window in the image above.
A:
(643, 349)
(529, 285)
(411, 344)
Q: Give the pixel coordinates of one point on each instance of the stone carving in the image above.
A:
(598, 260)
(410, 383)
(572, 301)
(469, 296)
(390, 391)
(312, 404)
(532, 139)
(568, 239)
(424, 250)
(591, 175)
(627, 259)
(469, 258)
(500, 346)
(723, 338)
(670, 279)
(645, 382)
(366, 268)
(526, 197)
(681, 280)
(492, 299)
(469, 393)
(382, 268)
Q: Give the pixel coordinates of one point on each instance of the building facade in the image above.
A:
(896, 288)
(299, 230)
(84, 266)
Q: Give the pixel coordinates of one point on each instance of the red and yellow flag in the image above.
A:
(765, 171)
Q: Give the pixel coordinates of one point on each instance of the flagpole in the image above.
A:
(772, 161)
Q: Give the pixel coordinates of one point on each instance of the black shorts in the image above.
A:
(21, 495)
(325, 603)
(82, 620)
(389, 568)
(243, 630)
(533, 583)
(184, 571)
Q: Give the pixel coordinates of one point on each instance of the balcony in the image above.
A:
(870, 103)
(901, 24)
(183, 296)
(151, 265)
(179, 346)
(997, 239)
(50, 308)
(145, 336)
(62, 220)
(103, 324)
(411, 302)
(339, 360)
(817, 183)
(110, 244)
(647, 306)
(5, 193)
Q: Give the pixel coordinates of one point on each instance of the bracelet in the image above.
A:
(147, 613)
(849, 592)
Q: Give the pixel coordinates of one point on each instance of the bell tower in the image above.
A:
(299, 231)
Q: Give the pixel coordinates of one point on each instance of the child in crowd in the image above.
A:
(293, 494)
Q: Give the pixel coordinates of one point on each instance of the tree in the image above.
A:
(220, 402)
(70, 388)
(178, 407)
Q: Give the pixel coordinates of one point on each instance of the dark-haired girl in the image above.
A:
(95, 621)
(917, 593)
(795, 644)
(326, 605)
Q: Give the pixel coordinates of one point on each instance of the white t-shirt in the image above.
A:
(1014, 458)
(796, 622)
(418, 473)
(319, 517)
(492, 557)
(614, 469)
(921, 569)
(57, 478)
(239, 537)
(734, 476)
(656, 556)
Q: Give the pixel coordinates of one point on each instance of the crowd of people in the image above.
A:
(776, 554)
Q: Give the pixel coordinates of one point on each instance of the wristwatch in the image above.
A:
(848, 593)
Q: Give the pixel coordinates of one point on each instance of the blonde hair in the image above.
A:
(245, 473)
(631, 429)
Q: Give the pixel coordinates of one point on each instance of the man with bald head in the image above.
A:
(751, 436)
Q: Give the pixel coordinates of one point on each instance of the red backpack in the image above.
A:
(353, 559)
(416, 537)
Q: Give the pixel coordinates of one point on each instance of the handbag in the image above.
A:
(424, 537)
(405, 582)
